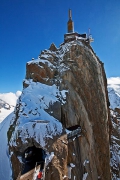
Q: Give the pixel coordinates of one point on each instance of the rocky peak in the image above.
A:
(65, 90)
(53, 47)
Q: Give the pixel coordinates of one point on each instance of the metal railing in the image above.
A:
(74, 133)
(32, 174)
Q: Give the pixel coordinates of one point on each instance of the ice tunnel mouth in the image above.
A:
(32, 156)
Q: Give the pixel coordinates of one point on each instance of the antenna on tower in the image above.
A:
(90, 39)
(88, 32)
(70, 14)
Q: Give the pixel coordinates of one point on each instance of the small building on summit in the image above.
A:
(71, 35)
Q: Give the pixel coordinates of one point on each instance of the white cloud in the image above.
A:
(18, 93)
(113, 80)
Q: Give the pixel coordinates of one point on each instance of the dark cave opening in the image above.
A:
(32, 155)
(72, 128)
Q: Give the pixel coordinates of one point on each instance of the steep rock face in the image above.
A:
(67, 87)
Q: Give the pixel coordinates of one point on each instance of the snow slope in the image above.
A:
(7, 104)
(5, 169)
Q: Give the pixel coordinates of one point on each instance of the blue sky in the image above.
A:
(29, 26)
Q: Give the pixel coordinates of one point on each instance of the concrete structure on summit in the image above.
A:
(71, 35)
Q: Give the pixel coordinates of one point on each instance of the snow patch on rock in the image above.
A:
(33, 119)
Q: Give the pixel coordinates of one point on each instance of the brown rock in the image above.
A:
(53, 47)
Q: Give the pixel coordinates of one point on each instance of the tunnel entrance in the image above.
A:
(31, 156)
(72, 128)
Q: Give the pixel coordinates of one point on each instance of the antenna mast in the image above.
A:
(70, 14)
(90, 39)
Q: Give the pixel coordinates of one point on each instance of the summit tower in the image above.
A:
(71, 35)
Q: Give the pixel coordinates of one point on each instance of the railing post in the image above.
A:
(44, 170)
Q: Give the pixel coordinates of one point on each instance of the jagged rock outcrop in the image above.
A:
(67, 89)
(114, 97)
(115, 143)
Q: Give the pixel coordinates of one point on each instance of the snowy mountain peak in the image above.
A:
(5, 105)
(114, 92)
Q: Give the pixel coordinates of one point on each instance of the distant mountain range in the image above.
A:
(7, 103)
